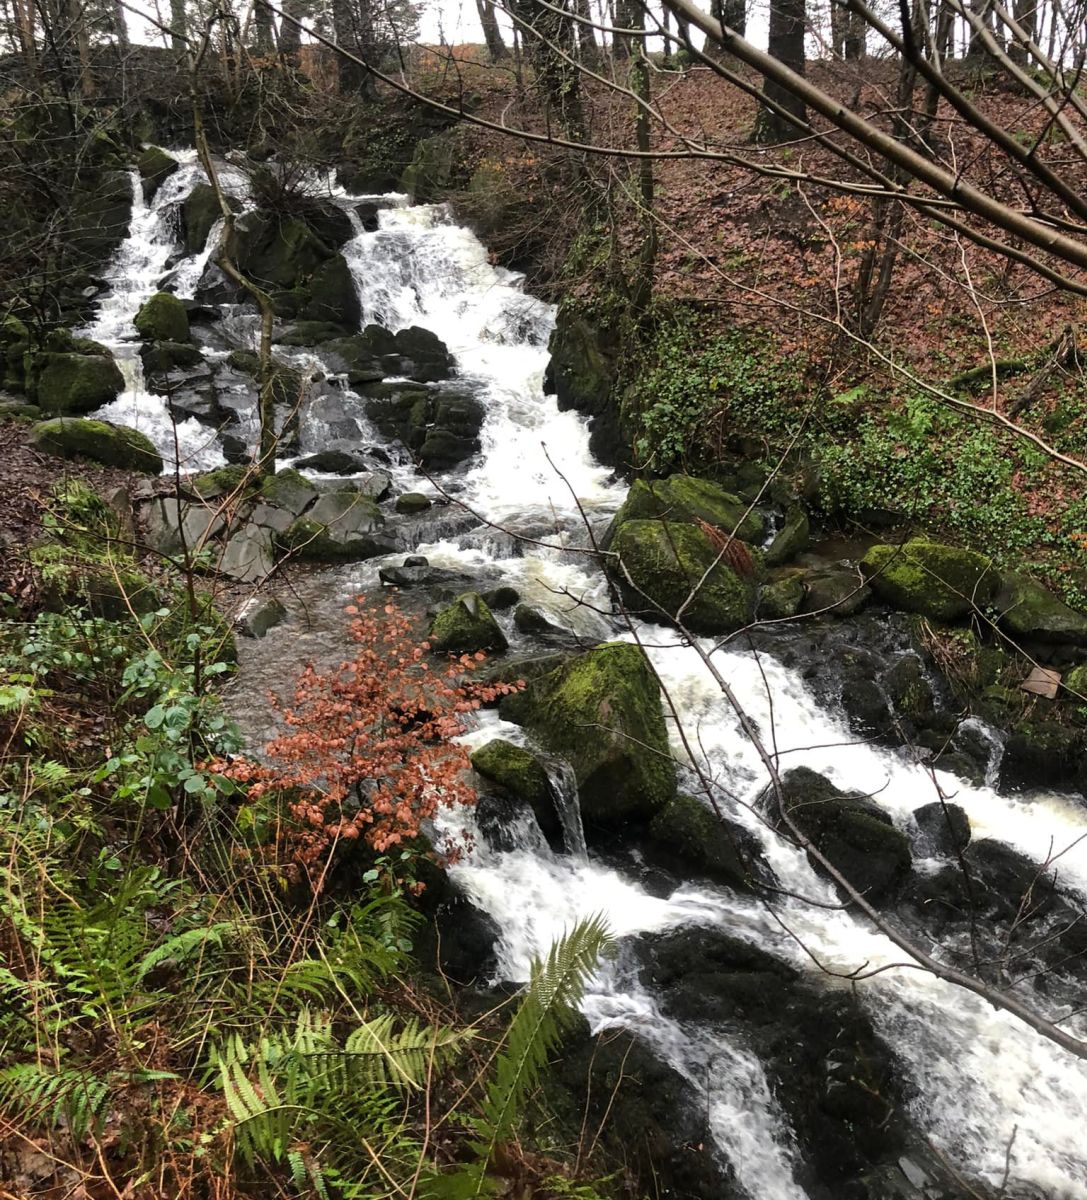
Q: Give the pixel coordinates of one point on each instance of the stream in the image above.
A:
(978, 1078)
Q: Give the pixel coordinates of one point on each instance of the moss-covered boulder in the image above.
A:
(224, 481)
(412, 502)
(278, 252)
(340, 526)
(781, 596)
(688, 830)
(514, 768)
(199, 213)
(582, 373)
(1030, 611)
(289, 490)
(852, 832)
(72, 382)
(835, 591)
(465, 626)
(602, 712)
(155, 167)
(162, 318)
(688, 500)
(111, 445)
(941, 582)
(288, 383)
(432, 167)
(790, 539)
(657, 566)
(335, 297)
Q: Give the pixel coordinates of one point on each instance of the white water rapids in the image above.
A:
(981, 1076)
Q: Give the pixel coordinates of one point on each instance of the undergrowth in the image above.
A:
(178, 1017)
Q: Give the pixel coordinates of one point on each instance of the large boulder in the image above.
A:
(688, 500)
(14, 343)
(790, 539)
(688, 830)
(1030, 611)
(162, 318)
(99, 215)
(155, 167)
(941, 582)
(335, 297)
(520, 773)
(466, 626)
(199, 213)
(850, 830)
(340, 526)
(602, 711)
(658, 565)
(441, 428)
(111, 445)
(278, 253)
(582, 374)
(70, 382)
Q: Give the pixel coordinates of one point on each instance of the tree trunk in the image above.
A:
(492, 35)
(586, 42)
(264, 30)
(982, 9)
(24, 20)
(642, 291)
(290, 39)
(549, 42)
(733, 15)
(839, 20)
(786, 44)
(120, 25)
(854, 44)
(178, 26)
(1025, 13)
(77, 28)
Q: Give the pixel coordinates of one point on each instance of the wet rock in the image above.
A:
(466, 626)
(310, 333)
(155, 167)
(162, 318)
(668, 562)
(501, 598)
(534, 621)
(17, 410)
(98, 441)
(353, 356)
(236, 449)
(684, 499)
(781, 596)
(854, 834)
(72, 382)
(268, 516)
(688, 830)
(339, 526)
(277, 252)
(161, 358)
(259, 615)
(424, 356)
(332, 462)
(522, 774)
(582, 374)
(289, 490)
(1029, 611)
(199, 212)
(836, 591)
(417, 572)
(461, 943)
(941, 582)
(602, 712)
(790, 539)
(224, 481)
(248, 555)
(944, 828)
(1042, 753)
(651, 1119)
(288, 384)
(412, 502)
(909, 691)
(440, 428)
(524, 669)
(174, 527)
(335, 297)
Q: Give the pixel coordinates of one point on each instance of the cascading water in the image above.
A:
(983, 1079)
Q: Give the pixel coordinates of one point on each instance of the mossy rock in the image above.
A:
(516, 769)
(71, 382)
(288, 489)
(1075, 683)
(339, 527)
(432, 168)
(224, 481)
(310, 333)
(412, 502)
(111, 445)
(688, 500)
(781, 596)
(941, 582)
(602, 712)
(791, 539)
(1029, 610)
(162, 318)
(160, 358)
(110, 591)
(665, 562)
(850, 830)
(334, 296)
(835, 591)
(287, 383)
(199, 213)
(99, 216)
(465, 626)
(155, 167)
(18, 410)
(686, 828)
(276, 252)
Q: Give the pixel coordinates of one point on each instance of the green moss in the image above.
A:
(1029, 610)
(514, 768)
(288, 489)
(225, 481)
(665, 563)
(14, 343)
(412, 502)
(162, 318)
(602, 712)
(782, 597)
(111, 445)
(938, 581)
(155, 167)
(466, 626)
(71, 382)
(686, 499)
(687, 828)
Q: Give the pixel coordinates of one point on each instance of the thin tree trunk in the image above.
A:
(642, 292)
(179, 27)
(492, 35)
(290, 39)
(586, 42)
(854, 46)
(786, 44)
(264, 30)
(120, 25)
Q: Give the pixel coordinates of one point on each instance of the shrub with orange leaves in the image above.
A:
(369, 751)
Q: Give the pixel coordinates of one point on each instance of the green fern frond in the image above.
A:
(49, 1097)
(547, 1010)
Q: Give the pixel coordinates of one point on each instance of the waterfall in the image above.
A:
(979, 1075)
